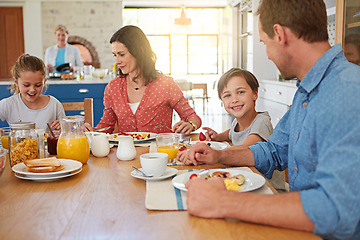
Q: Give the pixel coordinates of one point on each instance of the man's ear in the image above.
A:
(280, 34)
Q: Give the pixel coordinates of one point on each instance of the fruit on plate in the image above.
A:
(232, 183)
(136, 136)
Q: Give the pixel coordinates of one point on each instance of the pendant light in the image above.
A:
(183, 20)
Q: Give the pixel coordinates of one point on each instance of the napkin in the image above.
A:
(162, 195)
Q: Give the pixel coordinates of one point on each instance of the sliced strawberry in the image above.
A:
(193, 176)
(202, 137)
(182, 148)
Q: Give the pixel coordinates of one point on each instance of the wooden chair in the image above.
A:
(186, 87)
(86, 106)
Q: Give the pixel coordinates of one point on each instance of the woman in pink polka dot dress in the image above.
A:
(142, 98)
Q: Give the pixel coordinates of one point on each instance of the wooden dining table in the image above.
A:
(104, 201)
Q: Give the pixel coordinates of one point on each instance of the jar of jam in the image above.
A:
(23, 142)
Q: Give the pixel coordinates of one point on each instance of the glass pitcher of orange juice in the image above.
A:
(73, 143)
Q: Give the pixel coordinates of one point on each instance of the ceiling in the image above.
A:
(172, 3)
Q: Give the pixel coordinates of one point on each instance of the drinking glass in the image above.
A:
(168, 143)
(4, 133)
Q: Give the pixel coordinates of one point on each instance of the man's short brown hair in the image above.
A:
(306, 18)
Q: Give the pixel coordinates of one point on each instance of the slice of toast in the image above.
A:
(43, 162)
(45, 169)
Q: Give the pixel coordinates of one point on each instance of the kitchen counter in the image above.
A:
(70, 91)
(51, 81)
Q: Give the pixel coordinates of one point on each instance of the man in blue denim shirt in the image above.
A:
(318, 139)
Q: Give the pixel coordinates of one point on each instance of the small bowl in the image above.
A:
(100, 73)
(3, 153)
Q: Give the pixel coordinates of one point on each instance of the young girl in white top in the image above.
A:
(28, 104)
(238, 90)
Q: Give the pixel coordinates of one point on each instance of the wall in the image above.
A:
(263, 68)
(95, 21)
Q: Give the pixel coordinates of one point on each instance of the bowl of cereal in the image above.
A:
(3, 153)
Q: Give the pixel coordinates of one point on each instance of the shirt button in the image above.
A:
(296, 169)
(305, 104)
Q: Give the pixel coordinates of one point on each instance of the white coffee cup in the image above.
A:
(154, 163)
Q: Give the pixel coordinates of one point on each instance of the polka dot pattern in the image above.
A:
(160, 98)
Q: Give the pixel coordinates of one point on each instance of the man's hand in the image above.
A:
(205, 197)
(202, 153)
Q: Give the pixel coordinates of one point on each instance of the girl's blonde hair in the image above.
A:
(24, 63)
(249, 77)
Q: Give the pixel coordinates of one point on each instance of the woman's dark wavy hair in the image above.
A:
(138, 45)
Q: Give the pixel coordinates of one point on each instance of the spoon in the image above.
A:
(141, 172)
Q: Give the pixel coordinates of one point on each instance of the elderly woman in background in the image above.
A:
(142, 98)
(62, 52)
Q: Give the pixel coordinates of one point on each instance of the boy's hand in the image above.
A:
(183, 156)
(210, 134)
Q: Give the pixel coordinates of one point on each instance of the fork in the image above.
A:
(164, 126)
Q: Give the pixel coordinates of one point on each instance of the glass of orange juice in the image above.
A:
(168, 143)
(4, 133)
(73, 143)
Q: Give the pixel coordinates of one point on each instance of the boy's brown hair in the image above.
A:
(237, 72)
(308, 19)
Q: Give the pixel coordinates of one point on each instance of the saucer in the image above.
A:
(169, 172)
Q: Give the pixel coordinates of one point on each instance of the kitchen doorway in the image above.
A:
(11, 39)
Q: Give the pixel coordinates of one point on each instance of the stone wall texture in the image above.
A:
(91, 20)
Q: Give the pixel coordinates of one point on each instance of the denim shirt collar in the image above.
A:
(317, 72)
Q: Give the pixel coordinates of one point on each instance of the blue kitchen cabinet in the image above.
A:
(77, 93)
(4, 93)
(70, 92)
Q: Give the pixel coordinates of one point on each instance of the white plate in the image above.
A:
(253, 181)
(215, 145)
(46, 178)
(152, 136)
(69, 166)
(169, 172)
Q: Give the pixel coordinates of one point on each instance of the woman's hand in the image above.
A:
(183, 127)
(55, 125)
(88, 128)
(210, 134)
(48, 67)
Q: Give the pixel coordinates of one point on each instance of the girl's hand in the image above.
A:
(183, 127)
(210, 134)
(88, 128)
(183, 156)
(55, 125)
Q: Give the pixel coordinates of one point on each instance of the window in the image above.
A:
(181, 50)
